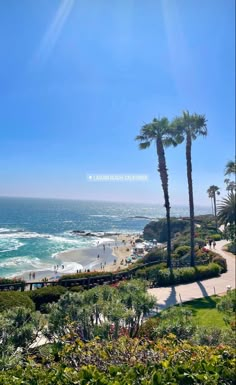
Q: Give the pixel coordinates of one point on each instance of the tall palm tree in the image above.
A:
(160, 132)
(212, 191)
(227, 210)
(210, 195)
(189, 127)
(230, 168)
(230, 185)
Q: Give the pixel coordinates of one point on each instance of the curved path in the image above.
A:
(169, 296)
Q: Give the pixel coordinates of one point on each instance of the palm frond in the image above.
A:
(230, 168)
(144, 145)
(140, 137)
(227, 210)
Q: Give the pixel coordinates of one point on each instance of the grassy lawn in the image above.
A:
(205, 313)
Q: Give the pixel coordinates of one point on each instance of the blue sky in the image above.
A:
(79, 78)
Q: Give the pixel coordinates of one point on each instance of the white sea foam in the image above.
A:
(3, 230)
(22, 235)
(22, 262)
(61, 239)
(58, 254)
(7, 245)
(102, 241)
(8, 230)
(91, 265)
(70, 267)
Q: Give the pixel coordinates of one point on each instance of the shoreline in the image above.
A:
(111, 253)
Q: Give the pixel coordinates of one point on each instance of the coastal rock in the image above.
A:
(140, 217)
(82, 233)
(98, 234)
(158, 230)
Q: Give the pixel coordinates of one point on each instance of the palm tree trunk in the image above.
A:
(164, 181)
(190, 193)
(215, 209)
(212, 209)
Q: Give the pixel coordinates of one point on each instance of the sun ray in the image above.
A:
(53, 32)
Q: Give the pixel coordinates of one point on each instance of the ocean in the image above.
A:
(33, 232)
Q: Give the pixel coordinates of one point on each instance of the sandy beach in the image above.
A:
(107, 256)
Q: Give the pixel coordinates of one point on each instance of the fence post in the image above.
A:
(180, 299)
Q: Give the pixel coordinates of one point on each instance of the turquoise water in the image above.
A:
(34, 231)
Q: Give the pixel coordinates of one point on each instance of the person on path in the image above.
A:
(214, 244)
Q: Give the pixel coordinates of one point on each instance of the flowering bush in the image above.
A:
(128, 361)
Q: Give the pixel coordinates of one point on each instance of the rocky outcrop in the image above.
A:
(158, 229)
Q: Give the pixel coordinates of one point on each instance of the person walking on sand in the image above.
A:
(98, 256)
(30, 275)
(33, 275)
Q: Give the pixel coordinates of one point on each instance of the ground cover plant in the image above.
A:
(126, 361)
(101, 336)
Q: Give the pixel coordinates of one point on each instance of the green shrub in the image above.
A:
(9, 280)
(46, 295)
(76, 289)
(148, 328)
(232, 248)
(149, 272)
(154, 255)
(227, 305)
(176, 320)
(91, 274)
(182, 250)
(201, 255)
(216, 237)
(11, 299)
(199, 242)
(221, 262)
(174, 256)
(165, 277)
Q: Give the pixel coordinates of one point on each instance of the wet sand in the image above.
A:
(110, 258)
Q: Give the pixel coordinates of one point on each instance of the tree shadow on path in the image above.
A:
(203, 289)
(210, 302)
(171, 300)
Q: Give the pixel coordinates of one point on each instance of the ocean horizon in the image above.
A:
(35, 231)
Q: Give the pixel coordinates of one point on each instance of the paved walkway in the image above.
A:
(168, 296)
